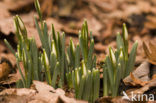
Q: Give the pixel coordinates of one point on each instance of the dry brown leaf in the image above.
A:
(52, 95)
(42, 93)
(142, 73)
(47, 7)
(154, 76)
(17, 5)
(150, 52)
(5, 69)
(99, 47)
(6, 25)
(145, 88)
(137, 81)
(140, 91)
(4, 13)
(22, 95)
(64, 99)
(108, 99)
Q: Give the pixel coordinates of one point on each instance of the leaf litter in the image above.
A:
(108, 17)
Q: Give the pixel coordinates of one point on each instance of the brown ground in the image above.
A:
(104, 17)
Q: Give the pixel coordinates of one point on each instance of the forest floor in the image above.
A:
(105, 19)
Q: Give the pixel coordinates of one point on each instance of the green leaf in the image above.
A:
(9, 46)
(77, 56)
(56, 70)
(88, 85)
(90, 55)
(77, 82)
(82, 86)
(69, 79)
(125, 39)
(45, 43)
(19, 84)
(72, 53)
(112, 57)
(53, 34)
(73, 78)
(131, 59)
(96, 80)
(37, 6)
(35, 59)
(29, 74)
(117, 81)
(16, 27)
(84, 69)
(122, 63)
(39, 32)
(110, 70)
(119, 41)
(20, 71)
(94, 62)
(52, 62)
(63, 58)
(46, 64)
(22, 27)
(105, 81)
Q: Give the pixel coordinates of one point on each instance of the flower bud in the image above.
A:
(125, 32)
(37, 6)
(112, 56)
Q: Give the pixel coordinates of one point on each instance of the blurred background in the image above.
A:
(104, 17)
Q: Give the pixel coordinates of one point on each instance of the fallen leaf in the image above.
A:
(145, 88)
(40, 93)
(142, 73)
(22, 95)
(108, 99)
(52, 95)
(150, 52)
(64, 99)
(136, 81)
(17, 5)
(5, 68)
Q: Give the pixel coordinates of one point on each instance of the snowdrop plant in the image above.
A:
(27, 52)
(85, 47)
(48, 64)
(83, 76)
(74, 65)
(52, 62)
(85, 82)
(118, 64)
